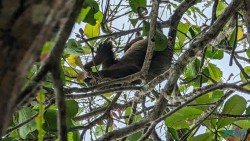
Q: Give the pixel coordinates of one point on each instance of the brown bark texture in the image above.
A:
(25, 25)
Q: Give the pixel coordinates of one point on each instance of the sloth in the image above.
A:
(130, 63)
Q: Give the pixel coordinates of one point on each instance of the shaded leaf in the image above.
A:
(134, 4)
(73, 47)
(23, 115)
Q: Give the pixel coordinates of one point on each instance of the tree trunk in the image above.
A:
(25, 25)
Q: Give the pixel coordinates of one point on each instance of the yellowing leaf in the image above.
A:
(71, 60)
(92, 31)
(240, 33)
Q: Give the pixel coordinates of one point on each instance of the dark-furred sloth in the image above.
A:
(130, 63)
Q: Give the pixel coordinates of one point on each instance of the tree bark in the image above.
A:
(25, 25)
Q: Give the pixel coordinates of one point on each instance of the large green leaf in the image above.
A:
(180, 119)
(71, 108)
(135, 136)
(244, 124)
(214, 72)
(208, 98)
(91, 8)
(182, 32)
(134, 4)
(202, 137)
(234, 105)
(73, 47)
(192, 70)
(214, 53)
(23, 115)
(220, 8)
(50, 120)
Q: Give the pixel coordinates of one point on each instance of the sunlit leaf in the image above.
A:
(240, 33)
(40, 118)
(46, 50)
(83, 14)
(180, 119)
(92, 31)
(98, 16)
(215, 72)
(234, 105)
(71, 60)
(220, 8)
(214, 53)
(182, 32)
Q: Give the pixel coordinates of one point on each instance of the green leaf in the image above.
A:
(73, 136)
(194, 30)
(145, 28)
(71, 108)
(133, 22)
(248, 52)
(73, 47)
(83, 14)
(94, 8)
(214, 72)
(180, 119)
(173, 133)
(247, 71)
(50, 120)
(9, 139)
(98, 16)
(248, 110)
(191, 70)
(100, 130)
(208, 98)
(23, 115)
(244, 124)
(232, 38)
(161, 41)
(234, 105)
(202, 137)
(127, 113)
(220, 8)
(47, 47)
(135, 136)
(137, 3)
(182, 30)
(214, 54)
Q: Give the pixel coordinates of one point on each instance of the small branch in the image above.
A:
(213, 108)
(235, 40)
(151, 39)
(100, 92)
